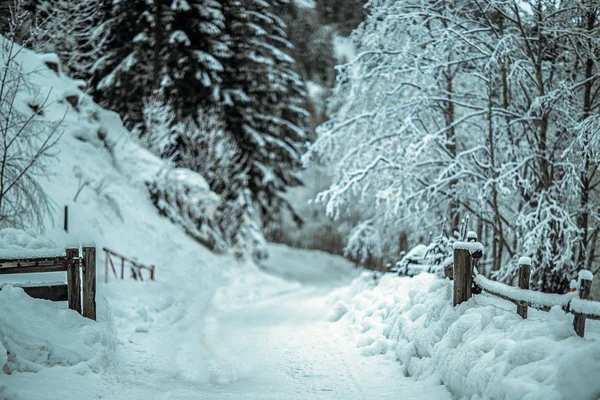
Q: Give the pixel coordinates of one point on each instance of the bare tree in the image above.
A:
(26, 139)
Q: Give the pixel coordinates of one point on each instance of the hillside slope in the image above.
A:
(97, 157)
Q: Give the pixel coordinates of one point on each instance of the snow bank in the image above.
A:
(481, 349)
(30, 341)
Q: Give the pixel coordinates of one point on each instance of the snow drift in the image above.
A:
(480, 349)
(30, 341)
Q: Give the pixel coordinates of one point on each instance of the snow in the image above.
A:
(49, 58)
(180, 5)
(472, 247)
(417, 252)
(314, 267)
(112, 210)
(211, 328)
(23, 282)
(305, 3)
(262, 335)
(584, 274)
(32, 341)
(273, 343)
(18, 244)
(206, 328)
(525, 261)
(343, 48)
(585, 306)
(179, 37)
(480, 349)
(537, 298)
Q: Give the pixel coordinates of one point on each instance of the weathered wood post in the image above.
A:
(105, 266)
(462, 272)
(524, 278)
(465, 256)
(89, 283)
(585, 284)
(73, 280)
(66, 220)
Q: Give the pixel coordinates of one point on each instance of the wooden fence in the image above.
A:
(135, 266)
(71, 262)
(467, 282)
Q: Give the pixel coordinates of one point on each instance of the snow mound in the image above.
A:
(481, 349)
(30, 341)
(16, 243)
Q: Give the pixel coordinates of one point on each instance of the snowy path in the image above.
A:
(264, 335)
(280, 348)
(273, 342)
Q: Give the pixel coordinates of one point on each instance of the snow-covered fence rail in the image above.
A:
(136, 266)
(468, 282)
(69, 261)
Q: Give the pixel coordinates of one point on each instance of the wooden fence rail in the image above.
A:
(70, 262)
(467, 281)
(136, 266)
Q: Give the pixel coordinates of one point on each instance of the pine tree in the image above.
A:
(130, 70)
(166, 47)
(263, 99)
(193, 51)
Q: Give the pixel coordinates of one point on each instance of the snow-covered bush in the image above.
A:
(185, 198)
(159, 132)
(206, 149)
(433, 258)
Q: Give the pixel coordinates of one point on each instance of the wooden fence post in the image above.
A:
(73, 281)
(463, 273)
(105, 267)
(66, 220)
(584, 293)
(524, 278)
(89, 283)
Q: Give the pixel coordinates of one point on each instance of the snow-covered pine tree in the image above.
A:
(130, 71)
(167, 47)
(195, 45)
(263, 101)
(159, 131)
